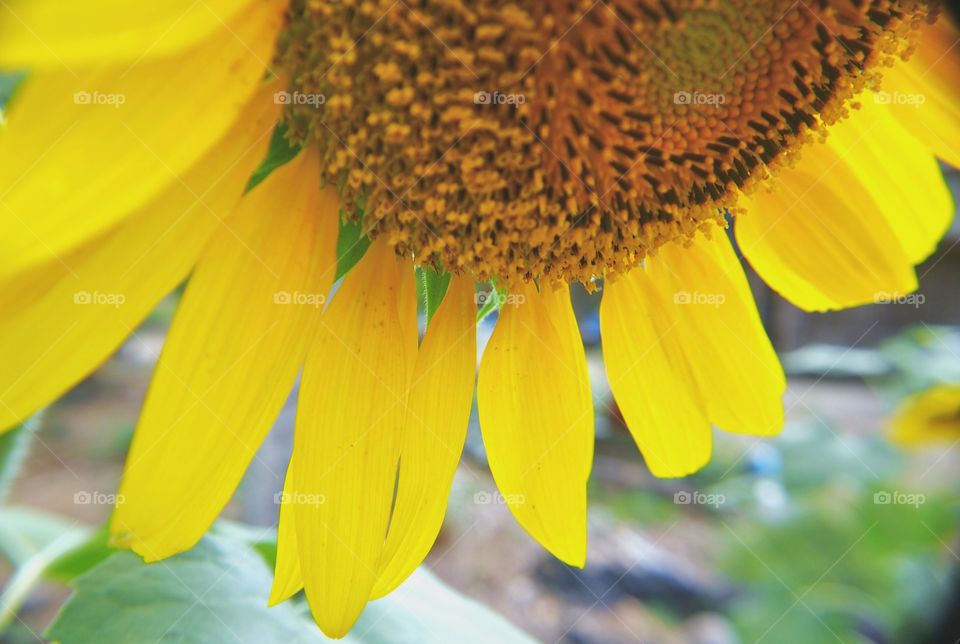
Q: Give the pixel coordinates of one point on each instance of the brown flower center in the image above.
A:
(564, 140)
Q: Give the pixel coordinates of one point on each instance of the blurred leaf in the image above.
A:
(490, 300)
(14, 444)
(280, 152)
(25, 532)
(9, 81)
(352, 244)
(431, 287)
(835, 361)
(218, 592)
(88, 554)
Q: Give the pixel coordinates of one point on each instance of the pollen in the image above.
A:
(566, 140)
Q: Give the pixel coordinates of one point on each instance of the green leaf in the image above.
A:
(86, 555)
(25, 532)
(490, 300)
(281, 152)
(217, 592)
(352, 244)
(431, 287)
(9, 82)
(14, 444)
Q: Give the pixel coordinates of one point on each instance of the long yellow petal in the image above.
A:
(348, 436)
(649, 378)
(438, 411)
(287, 580)
(925, 91)
(66, 316)
(57, 33)
(907, 185)
(234, 349)
(536, 416)
(737, 372)
(81, 152)
(819, 238)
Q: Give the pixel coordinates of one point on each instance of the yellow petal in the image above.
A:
(649, 378)
(819, 238)
(438, 411)
(287, 580)
(66, 316)
(231, 357)
(929, 417)
(536, 416)
(74, 160)
(348, 436)
(718, 330)
(907, 186)
(925, 91)
(57, 33)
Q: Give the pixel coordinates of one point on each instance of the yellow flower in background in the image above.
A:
(538, 144)
(928, 418)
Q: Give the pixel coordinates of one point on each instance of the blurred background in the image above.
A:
(829, 532)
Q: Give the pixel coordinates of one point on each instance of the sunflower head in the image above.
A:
(567, 140)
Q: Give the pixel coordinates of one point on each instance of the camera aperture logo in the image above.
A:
(85, 497)
(497, 98)
(895, 497)
(96, 298)
(696, 298)
(495, 498)
(299, 98)
(699, 498)
(502, 299)
(916, 300)
(915, 101)
(299, 498)
(699, 98)
(296, 298)
(115, 101)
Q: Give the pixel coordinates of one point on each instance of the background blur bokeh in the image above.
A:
(826, 533)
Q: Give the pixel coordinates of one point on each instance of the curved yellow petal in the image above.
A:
(536, 417)
(438, 411)
(820, 239)
(66, 316)
(925, 91)
(649, 377)
(231, 357)
(82, 152)
(929, 417)
(287, 580)
(58, 33)
(718, 330)
(348, 436)
(899, 172)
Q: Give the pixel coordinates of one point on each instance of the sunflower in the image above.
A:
(533, 144)
(928, 417)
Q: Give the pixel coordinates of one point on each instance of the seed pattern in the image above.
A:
(564, 140)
